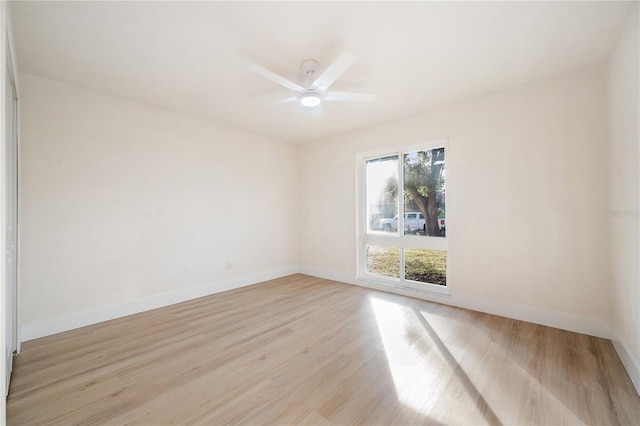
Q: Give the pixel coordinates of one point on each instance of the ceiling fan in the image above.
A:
(313, 90)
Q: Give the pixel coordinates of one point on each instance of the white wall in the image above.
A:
(526, 194)
(116, 196)
(624, 156)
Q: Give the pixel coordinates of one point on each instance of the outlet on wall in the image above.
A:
(188, 266)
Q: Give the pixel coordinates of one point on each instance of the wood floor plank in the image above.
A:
(304, 350)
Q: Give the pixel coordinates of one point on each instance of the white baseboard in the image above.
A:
(562, 320)
(106, 313)
(536, 315)
(628, 360)
(328, 274)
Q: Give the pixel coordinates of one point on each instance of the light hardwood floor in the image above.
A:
(303, 350)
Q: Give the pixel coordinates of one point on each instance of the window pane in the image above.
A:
(383, 260)
(424, 192)
(426, 266)
(382, 194)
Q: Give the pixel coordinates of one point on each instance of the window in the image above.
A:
(402, 218)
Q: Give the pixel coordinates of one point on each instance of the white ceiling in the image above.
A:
(191, 57)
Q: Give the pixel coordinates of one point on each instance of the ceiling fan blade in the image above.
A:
(350, 96)
(333, 72)
(285, 100)
(276, 78)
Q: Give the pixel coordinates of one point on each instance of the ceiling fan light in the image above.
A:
(310, 100)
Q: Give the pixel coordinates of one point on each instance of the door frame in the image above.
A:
(8, 71)
(11, 69)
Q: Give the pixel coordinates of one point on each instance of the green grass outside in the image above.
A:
(426, 266)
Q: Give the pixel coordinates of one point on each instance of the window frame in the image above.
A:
(398, 239)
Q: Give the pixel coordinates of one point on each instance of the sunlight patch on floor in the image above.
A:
(418, 369)
(496, 379)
